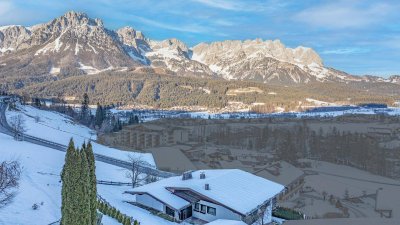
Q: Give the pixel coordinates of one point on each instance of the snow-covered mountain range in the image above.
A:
(77, 44)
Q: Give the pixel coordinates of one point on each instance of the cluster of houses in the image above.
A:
(144, 136)
(214, 197)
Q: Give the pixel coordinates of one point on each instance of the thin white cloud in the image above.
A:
(234, 5)
(346, 51)
(191, 28)
(345, 14)
(225, 23)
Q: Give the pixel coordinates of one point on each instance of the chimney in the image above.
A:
(207, 186)
(187, 175)
(202, 175)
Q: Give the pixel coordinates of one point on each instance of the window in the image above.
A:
(203, 209)
(197, 207)
(211, 210)
(169, 211)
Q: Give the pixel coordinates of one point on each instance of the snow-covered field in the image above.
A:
(59, 128)
(154, 114)
(40, 182)
(336, 179)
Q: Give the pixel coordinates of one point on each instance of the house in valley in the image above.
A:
(284, 173)
(210, 195)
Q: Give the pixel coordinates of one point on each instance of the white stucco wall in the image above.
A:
(149, 201)
(221, 213)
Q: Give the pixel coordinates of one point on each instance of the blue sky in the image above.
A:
(356, 36)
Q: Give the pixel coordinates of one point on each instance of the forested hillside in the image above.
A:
(164, 91)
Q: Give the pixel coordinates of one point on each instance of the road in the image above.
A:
(6, 129)
(312, 172)
(357, 213)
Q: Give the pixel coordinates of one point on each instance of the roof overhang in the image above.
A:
(147, 193)
(202, 197)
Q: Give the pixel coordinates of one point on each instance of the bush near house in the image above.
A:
(106, 209)
(287, 214)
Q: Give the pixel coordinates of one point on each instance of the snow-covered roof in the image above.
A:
(226, 222)
(233, 188)
(389, 199)
(283, 173)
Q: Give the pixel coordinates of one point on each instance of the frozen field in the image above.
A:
(151, 115)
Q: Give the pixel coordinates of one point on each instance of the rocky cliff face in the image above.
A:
(265, 61)
(75, 44)
(72, 43)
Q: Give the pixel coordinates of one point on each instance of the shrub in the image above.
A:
(111, 211)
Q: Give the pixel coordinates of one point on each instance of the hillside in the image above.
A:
(163, 91)
(40, 180)
(40, 184)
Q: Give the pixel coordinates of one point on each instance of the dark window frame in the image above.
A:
(169, 211)
(197, 209)
(212, 208)
(201, 209)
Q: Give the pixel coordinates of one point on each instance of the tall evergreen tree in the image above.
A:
(79, 205)
(99, 117)
(92, 182)
(83, 189)
(85, 113)
(67, 186)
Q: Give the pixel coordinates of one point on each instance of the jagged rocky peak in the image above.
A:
(73, 19)
(171, 43)
(14, 30)
(257, 48)
(12, 37)
(77, 42)
(395, 79)
(130, 33)
(307, 56)
(131, 37)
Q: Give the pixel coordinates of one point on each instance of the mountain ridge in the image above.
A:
(79, 44)
(74, 52)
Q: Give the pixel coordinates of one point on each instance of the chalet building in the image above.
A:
(147, 136)
(392, 167)
(384, 133)
(211, 195)
(286, 174)
(387, 202)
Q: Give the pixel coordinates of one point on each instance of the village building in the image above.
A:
(388, 202)
(284, 173)
(146, 136)
(211, 195)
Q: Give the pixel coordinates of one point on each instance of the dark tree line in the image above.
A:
(102, 120)
(299, 141)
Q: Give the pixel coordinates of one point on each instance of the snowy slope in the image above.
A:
(40, 182)
(59, 128)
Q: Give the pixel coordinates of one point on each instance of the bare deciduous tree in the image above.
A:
(18, 125)
(9, 180)
(262, 215)
(37, 119)
(138, 173)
